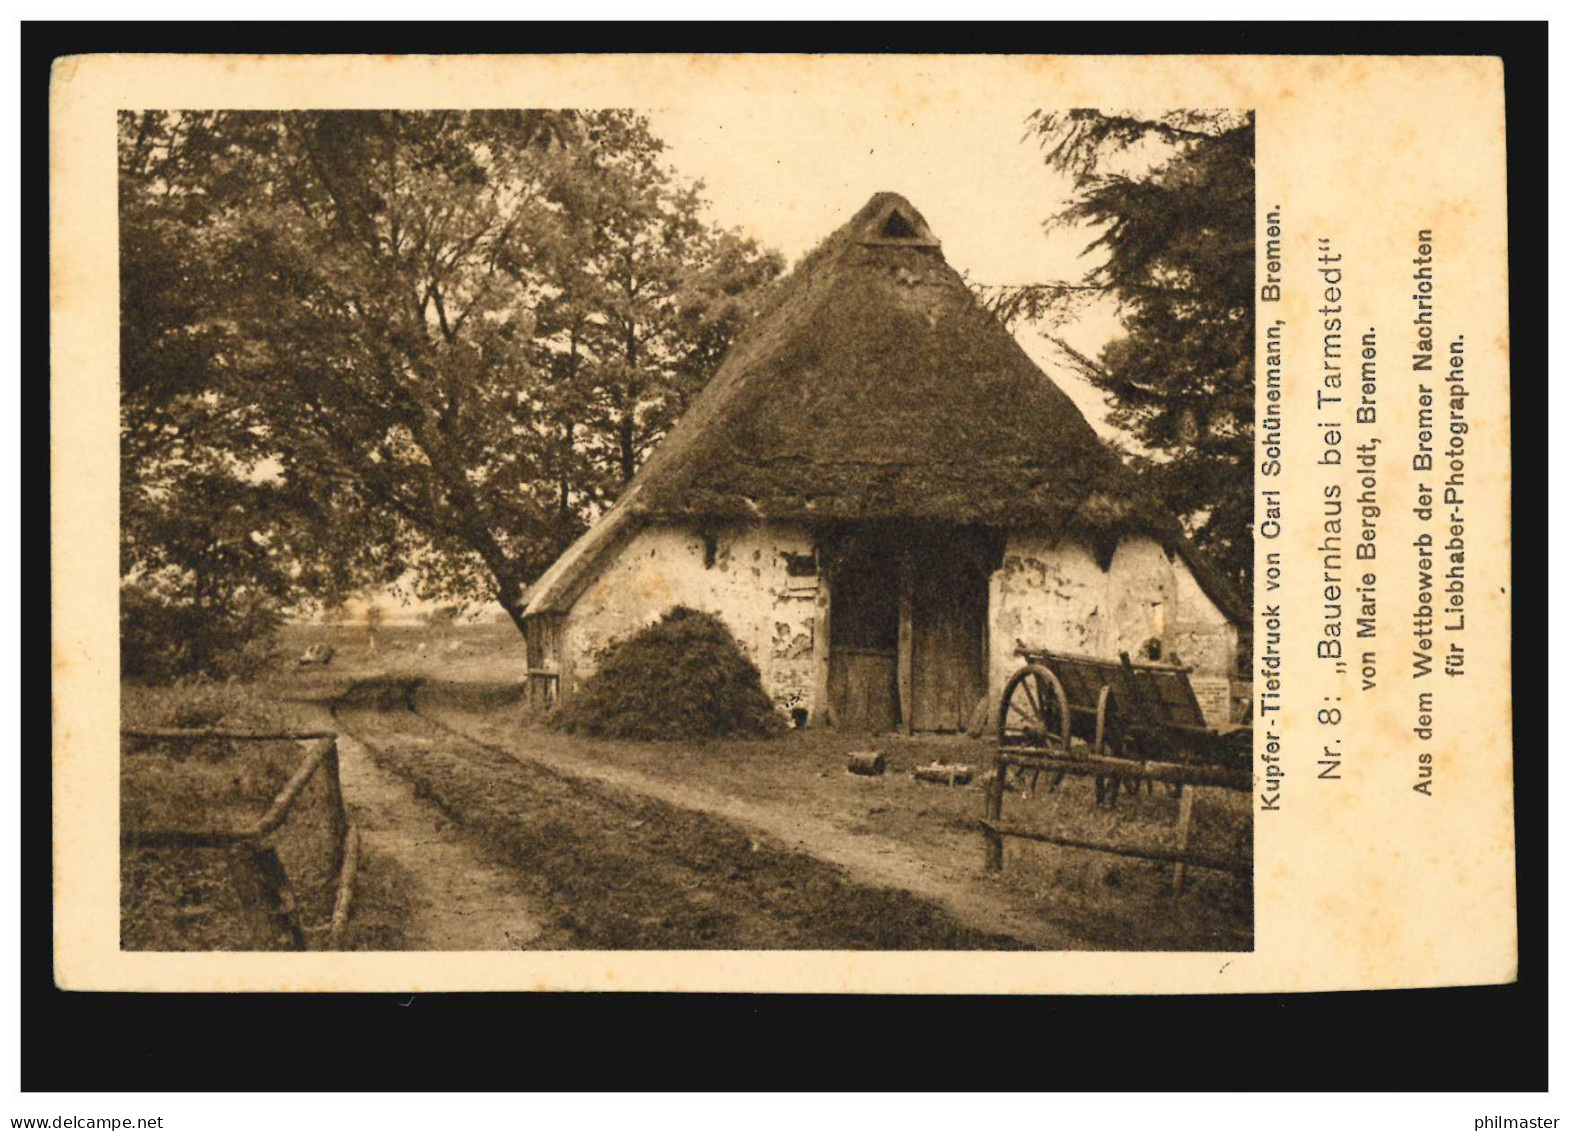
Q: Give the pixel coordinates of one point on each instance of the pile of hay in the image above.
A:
(683, 677)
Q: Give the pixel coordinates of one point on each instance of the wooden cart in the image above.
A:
(1062, 704)
(1122, 723)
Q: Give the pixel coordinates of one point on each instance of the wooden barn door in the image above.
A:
(947, 647)
(863, 650)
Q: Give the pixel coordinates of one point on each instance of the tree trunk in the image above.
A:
(565, 502)
(507, 573)
(197, 644)
(568, 433)
(514, 607)
(628, 448)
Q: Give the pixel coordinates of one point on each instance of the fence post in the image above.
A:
(259, 880)
(1184, 827)
(345, 899)
(994, 791)
(340, 817)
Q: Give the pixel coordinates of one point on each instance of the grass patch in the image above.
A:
(179, 898)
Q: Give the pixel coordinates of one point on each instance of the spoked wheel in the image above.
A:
(1113, 741)
(1034, 712)
(1110, 742)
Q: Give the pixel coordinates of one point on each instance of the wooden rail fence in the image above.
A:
(1053, 761)
(254, 868)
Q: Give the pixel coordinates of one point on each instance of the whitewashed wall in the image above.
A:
(1048, 593)
(1051, 594)
(771, 614)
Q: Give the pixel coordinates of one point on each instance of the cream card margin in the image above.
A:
(1356, 888)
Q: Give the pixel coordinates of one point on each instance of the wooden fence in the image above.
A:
(1189, 777)
(254, 868)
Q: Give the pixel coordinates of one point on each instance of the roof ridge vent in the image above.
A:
(896, 227)
(897, 224)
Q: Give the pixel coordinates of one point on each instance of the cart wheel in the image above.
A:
(1110, 742)
(1034, 710)
(1108, 725)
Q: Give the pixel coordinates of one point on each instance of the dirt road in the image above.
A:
(958, 887)
(447, 894)
(457, 899)
(601, 863)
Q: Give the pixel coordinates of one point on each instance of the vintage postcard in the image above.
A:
(938, 524)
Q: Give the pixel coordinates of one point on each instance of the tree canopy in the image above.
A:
(1166, 203)
(416, 346)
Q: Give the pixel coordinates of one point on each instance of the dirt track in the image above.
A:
(455, 898)
(622, 864)
(876, 861)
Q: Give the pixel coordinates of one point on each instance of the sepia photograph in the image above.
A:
(657, 565)
(636, 529)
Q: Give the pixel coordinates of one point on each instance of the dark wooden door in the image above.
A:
(863, 647)
(862, 689)
(948, 628)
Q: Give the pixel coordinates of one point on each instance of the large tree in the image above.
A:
(210, 545)
(1166, 202)
(645, 300)
(366, 314)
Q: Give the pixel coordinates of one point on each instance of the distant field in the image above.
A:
(487, 647)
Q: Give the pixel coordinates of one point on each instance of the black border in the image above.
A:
(1471, 1039)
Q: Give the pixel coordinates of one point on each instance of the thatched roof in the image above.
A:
(874, 387)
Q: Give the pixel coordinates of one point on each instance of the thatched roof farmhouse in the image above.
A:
(881, 494)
